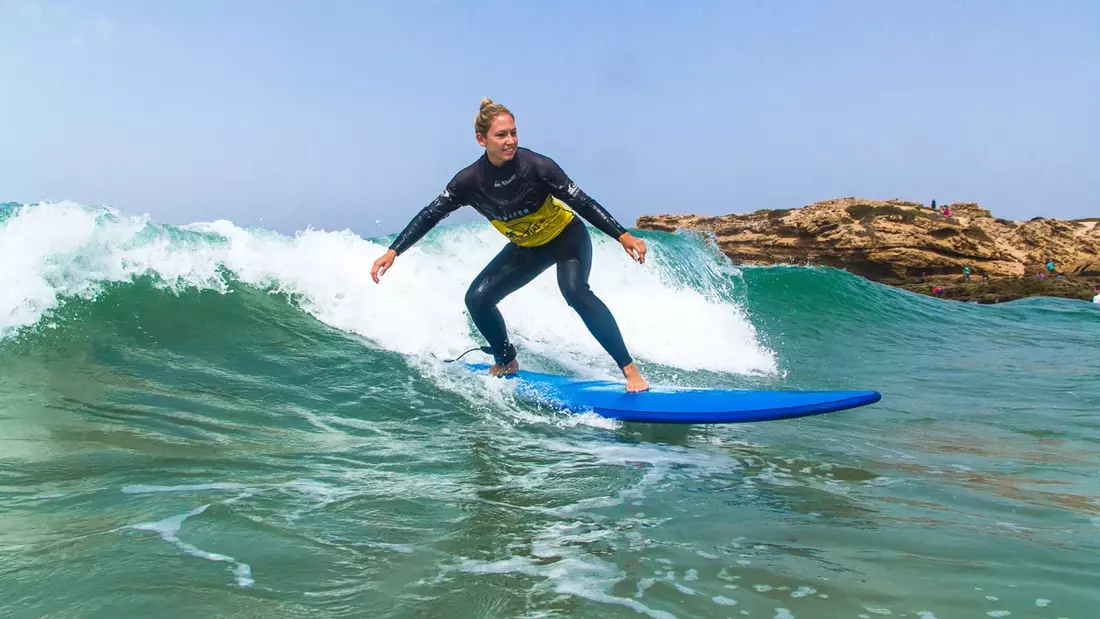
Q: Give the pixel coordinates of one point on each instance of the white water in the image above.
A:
(55, 251)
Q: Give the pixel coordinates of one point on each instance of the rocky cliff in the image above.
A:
(899, 242)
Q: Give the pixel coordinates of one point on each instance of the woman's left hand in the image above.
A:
(633, 246)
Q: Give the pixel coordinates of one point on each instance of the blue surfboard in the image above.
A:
(663, 404)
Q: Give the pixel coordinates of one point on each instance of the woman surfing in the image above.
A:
(523, 195)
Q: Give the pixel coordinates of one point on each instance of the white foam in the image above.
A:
(573, 571)
(569, 576)
(723, 601)
(683, 589)
(60, 250)
(141, 489)
(51, 252)
(169, 529)
(644, 584)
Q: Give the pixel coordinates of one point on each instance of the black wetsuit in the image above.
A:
(524, 200)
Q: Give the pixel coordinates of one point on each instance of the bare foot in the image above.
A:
(634, 380)
(505, 370)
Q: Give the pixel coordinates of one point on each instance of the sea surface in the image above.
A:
(213, 421)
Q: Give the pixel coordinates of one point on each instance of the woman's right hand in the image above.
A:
(382, 265)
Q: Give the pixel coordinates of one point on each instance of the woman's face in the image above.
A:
(501, 141)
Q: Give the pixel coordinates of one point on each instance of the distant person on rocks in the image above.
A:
(946, 211)
(1096, 289)
(1050, 265)
(938, 291)
(934, 205)
(966, 272)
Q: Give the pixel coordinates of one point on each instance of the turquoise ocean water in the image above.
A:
(211, 421)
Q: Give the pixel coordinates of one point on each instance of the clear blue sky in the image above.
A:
(344, 114)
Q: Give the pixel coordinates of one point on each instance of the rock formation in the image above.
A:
(899, 242)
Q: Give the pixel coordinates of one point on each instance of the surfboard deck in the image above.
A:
(665, 404)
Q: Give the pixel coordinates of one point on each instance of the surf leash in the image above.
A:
(485, 349)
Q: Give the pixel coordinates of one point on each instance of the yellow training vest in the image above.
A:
(536, 228)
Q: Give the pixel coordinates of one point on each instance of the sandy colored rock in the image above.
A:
(900, 242)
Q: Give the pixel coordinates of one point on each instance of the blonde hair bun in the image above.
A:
(486, 113)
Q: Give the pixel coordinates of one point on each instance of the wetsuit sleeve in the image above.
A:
(444, 204)
(567, 191)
